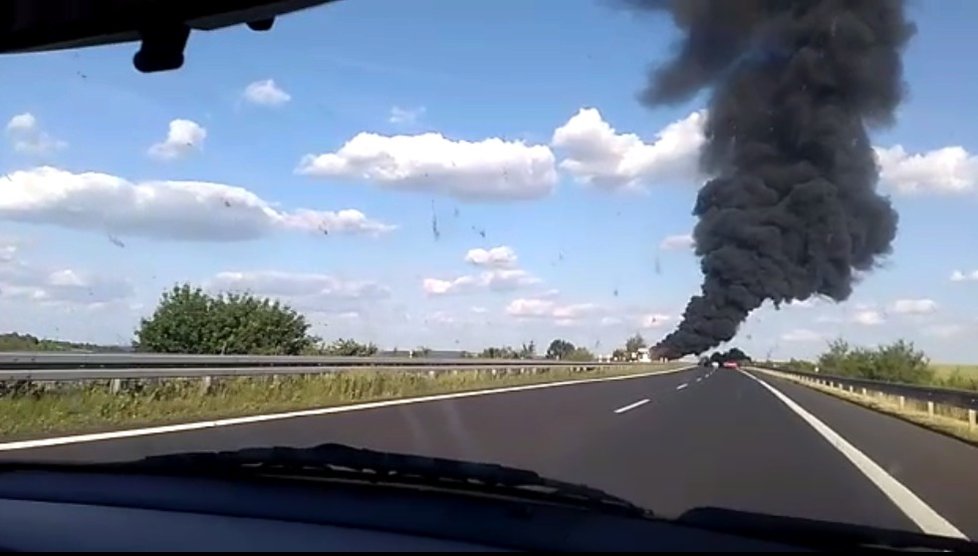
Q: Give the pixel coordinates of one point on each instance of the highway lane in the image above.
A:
(940, 469)
(669, 442)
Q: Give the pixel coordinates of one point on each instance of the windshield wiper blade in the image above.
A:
(348, 462)
(827, 535)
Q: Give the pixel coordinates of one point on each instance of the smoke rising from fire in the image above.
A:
(792, 208)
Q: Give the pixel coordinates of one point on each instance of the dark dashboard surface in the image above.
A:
(49, 510)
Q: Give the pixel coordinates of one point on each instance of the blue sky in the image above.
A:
(310, 162)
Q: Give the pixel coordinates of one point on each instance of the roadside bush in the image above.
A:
(896, 362)
(189, 320)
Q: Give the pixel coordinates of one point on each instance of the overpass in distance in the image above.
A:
(670, 442)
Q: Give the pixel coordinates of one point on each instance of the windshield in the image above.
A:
(688, 253)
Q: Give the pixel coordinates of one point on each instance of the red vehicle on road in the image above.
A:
(730, 365)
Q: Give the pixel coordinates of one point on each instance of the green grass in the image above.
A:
(964, 377)
(39, 410)
(946, 370)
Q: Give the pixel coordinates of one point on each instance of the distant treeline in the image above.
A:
(25, 342)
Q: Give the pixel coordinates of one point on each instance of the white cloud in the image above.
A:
(405, 116)
(479, 310)
(437, 286)
(305, 291)
(22, 122)
(945, 170)
(914, 306)
(442, 318)
(491, 169)
(597, 154)
(7, 251)
(265, 93)
(186, 210)
(867, 317)
(676, 242)
(495, 257)
(801, 335)
(563, 314)
(28, 138)
(182, 138)
(610, 321)
(20, 280)
(958, 276)
(494, 280)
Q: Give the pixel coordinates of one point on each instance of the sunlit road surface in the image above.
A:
(670, 443)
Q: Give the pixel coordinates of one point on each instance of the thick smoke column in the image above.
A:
(792, 208)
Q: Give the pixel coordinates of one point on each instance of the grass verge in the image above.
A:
(947, 420)
(947, 370)
(47, 409)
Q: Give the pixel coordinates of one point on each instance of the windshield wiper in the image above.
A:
(338, 461)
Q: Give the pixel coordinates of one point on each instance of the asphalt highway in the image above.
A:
(672, 442)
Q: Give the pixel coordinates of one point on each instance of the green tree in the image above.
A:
(633, 344)
(243, 323)
(528, 350)
(896, 362)
(800, 365)
(579, 354)
(505, 352)
(350, 348)
(619, 354)
(421, 351)
(559, 349)
(188, 320)
(181, 323)
(902, 362)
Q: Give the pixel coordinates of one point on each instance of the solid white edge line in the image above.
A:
(909, 503)
(198, 425)
(631, 406)
(681, 386)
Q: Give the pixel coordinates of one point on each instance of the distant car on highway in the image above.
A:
(730, 365)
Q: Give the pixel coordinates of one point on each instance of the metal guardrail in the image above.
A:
(965, 399)
(81, 366)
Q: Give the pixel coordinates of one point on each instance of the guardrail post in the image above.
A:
(115, 385)
(903, 402)
(971, 419)
(205, 384)
(863, 391)
(930, 408)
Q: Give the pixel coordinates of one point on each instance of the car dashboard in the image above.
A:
(51, 510)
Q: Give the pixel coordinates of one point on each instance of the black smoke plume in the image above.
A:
(792, 208)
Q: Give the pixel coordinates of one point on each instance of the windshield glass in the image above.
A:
(688, 253)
